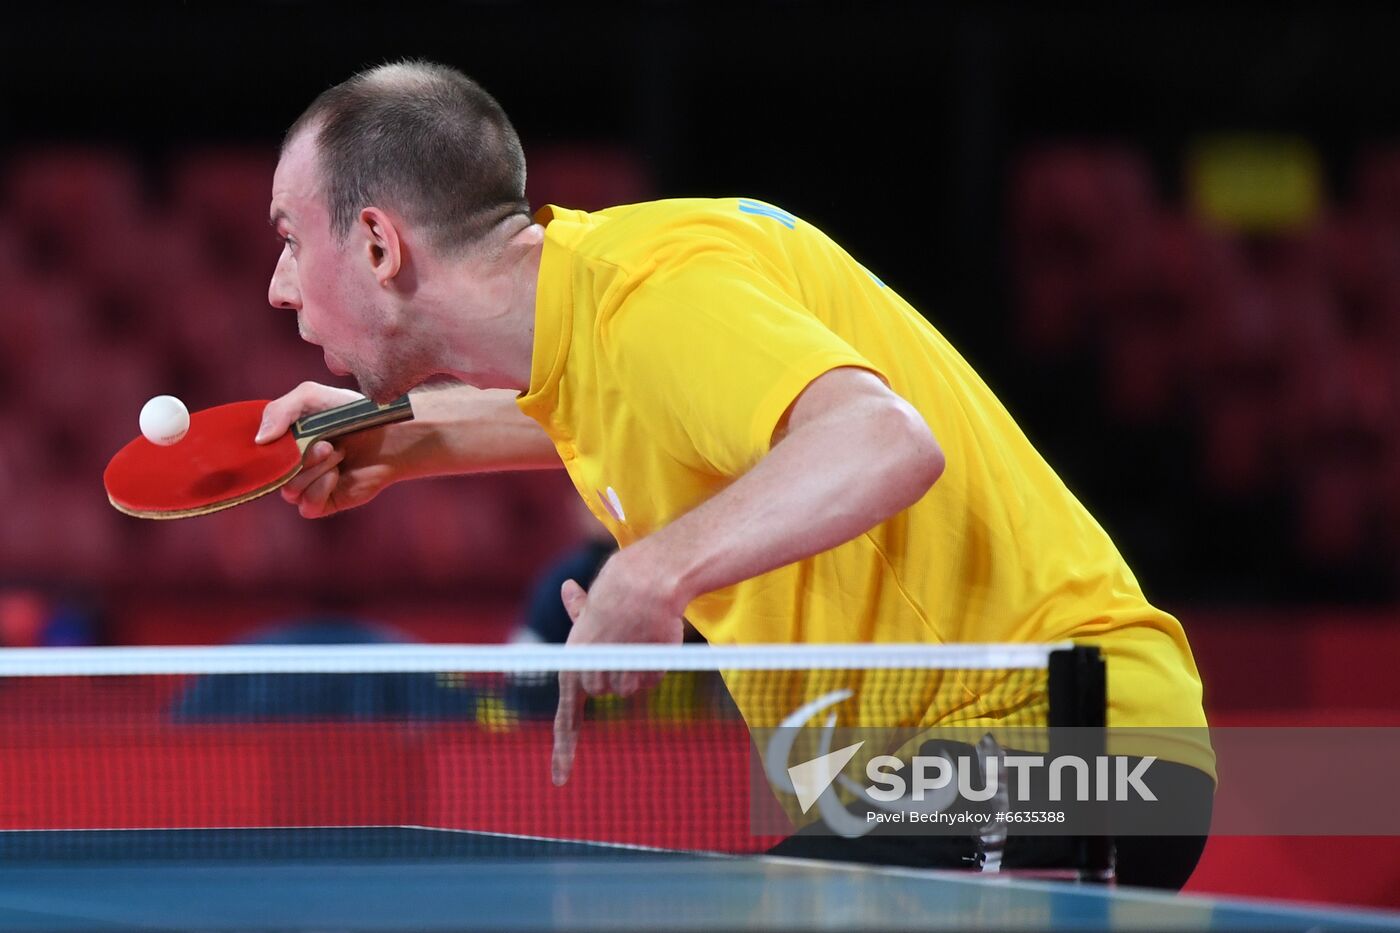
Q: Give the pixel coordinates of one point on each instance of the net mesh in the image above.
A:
(115, 742)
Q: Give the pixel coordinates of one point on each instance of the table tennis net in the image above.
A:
(99, 746)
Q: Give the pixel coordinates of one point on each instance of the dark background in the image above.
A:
(897, 127)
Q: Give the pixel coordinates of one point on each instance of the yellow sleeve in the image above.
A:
(711, 353)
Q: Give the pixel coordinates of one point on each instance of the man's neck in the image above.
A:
(490, 322)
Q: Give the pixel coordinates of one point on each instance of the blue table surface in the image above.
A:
(407, 878)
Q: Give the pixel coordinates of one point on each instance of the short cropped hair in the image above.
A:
(423, 139)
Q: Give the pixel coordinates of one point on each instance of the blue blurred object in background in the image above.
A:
(272, 697)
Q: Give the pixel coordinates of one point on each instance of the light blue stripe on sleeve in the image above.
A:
(759, 205)
(763, 210)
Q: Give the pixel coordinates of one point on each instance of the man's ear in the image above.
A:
(382, 245)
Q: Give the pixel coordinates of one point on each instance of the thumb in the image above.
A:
(306, 398)
(277, 417)
(575, 598)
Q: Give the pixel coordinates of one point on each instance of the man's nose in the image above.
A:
(282, 291)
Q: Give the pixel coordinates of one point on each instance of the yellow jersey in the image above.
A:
(670, 339)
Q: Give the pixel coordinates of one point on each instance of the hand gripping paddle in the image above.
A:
(217, 466)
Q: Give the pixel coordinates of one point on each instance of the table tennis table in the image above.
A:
(413, 878)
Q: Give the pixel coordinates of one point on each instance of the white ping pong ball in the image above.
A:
(164, 420)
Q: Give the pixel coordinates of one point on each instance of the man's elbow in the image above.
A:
(927, 460)
(921, 460)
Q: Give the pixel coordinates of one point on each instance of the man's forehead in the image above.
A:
(299, 154)
(293, 182)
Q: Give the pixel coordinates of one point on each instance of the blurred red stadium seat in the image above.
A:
(441, 533)
(1288, 262)
(1363, 261)
(22, 460)
(224, 194)
(1377, 185)
(1335, 506)
(1242, 376)
(258, 547)
(1149, 333)
(1143, 379)
(1339, 416)
(77, 209)
(66, 424)
(229, 343)
(1081, 229)
(81, 393)
(490, 532)
(12, 267)
(1239, 445)
(42, 319)
(61, 530)
(1253, 404)
(107, 399)
(586, 176)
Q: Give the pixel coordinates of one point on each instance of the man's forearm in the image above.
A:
(461, 429)
(825, 483)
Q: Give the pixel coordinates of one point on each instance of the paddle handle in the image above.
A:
(356, 416)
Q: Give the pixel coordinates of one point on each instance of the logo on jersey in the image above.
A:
(612, 504)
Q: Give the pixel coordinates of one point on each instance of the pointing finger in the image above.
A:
(566, 726)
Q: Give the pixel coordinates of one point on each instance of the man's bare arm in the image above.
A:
(851, 454)
(455, 429)
(460, 429)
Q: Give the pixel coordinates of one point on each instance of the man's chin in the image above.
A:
(334, 364)
(381, 391)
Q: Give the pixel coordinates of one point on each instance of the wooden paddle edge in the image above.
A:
(172, 514)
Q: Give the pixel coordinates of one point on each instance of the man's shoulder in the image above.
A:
(678, 217)
(641, 237)
(725, 210)
(680, 208)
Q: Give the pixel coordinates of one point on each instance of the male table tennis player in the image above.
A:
(786, 450)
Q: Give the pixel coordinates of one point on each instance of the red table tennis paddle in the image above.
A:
(217, 466)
